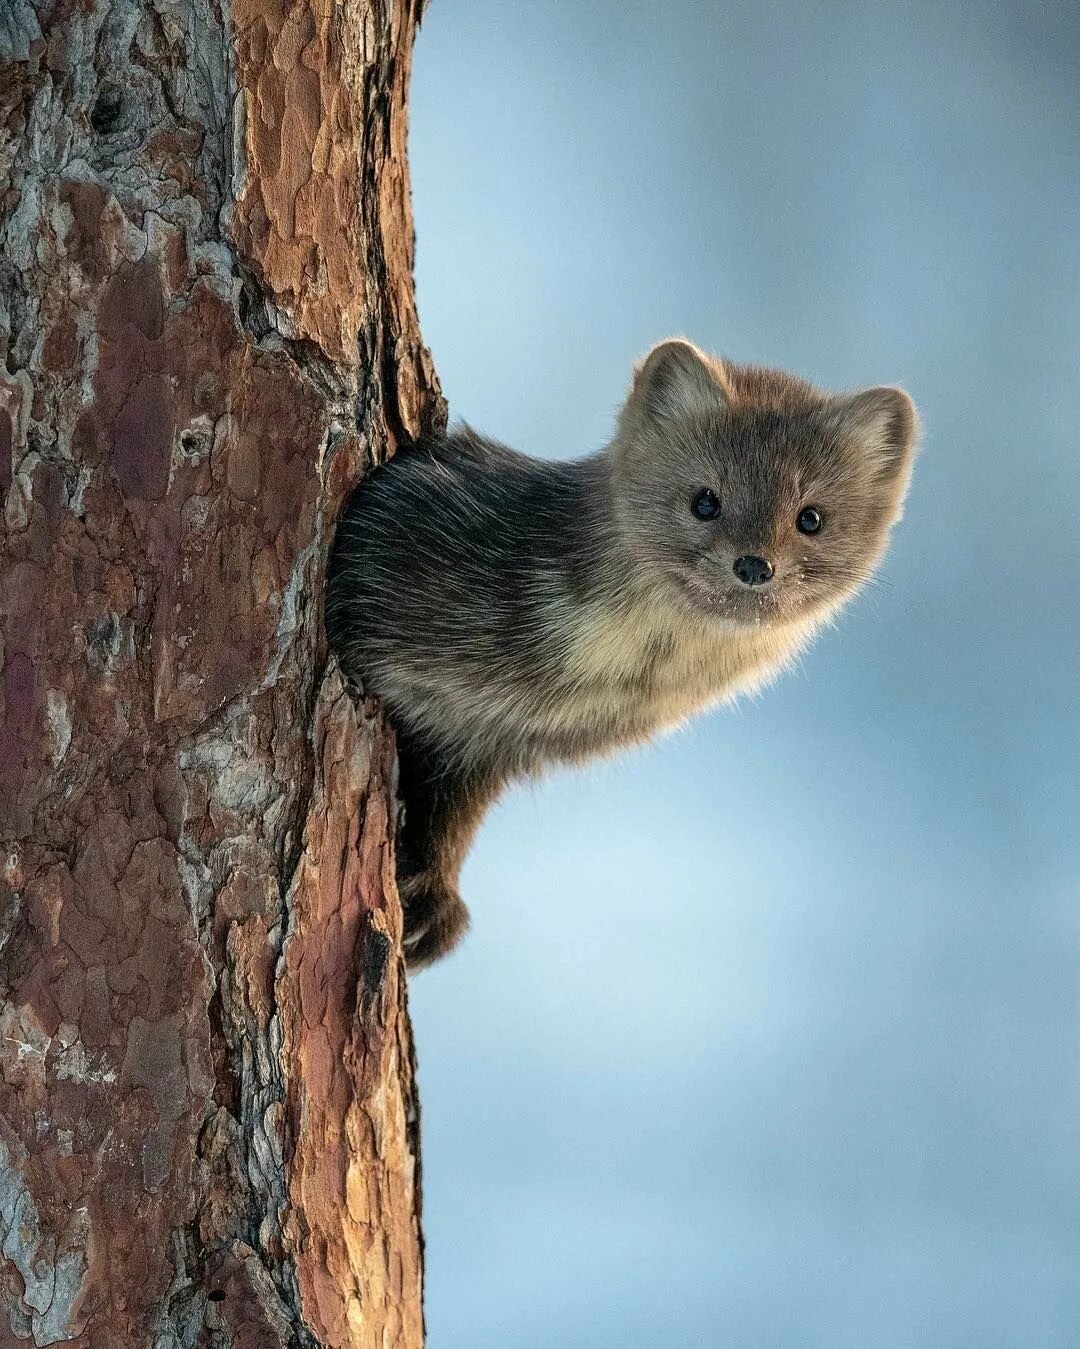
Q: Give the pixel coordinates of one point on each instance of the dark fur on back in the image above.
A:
(462, 525)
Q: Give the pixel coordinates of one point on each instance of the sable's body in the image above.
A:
(485, 597)
(512, 612)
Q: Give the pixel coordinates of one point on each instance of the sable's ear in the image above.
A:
(884, 422)
(675, 380)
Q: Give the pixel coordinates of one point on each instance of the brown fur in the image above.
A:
(513, 612)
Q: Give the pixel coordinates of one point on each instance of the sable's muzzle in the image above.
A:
(753, 571)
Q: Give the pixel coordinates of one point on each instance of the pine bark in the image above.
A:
(208, 1133)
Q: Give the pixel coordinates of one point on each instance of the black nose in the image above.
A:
(753, 571)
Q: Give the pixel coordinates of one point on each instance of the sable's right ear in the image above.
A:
(676, 380)
(885, 423)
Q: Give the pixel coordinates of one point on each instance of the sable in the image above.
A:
(513, 612)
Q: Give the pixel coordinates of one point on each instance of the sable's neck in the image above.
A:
(601, 558)
(592, 492)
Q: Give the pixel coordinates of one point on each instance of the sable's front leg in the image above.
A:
(443, 808)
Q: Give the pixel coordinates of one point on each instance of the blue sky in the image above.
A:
(810, 1076)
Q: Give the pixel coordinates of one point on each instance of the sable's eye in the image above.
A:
(809, 521)
(706, 505)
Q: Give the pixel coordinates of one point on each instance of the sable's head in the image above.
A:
(749, 495)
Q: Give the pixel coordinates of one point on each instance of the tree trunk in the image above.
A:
(209, 1131)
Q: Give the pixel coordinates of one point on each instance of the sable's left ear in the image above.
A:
(884, 422)
(676, 379)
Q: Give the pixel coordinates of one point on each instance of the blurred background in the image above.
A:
(808, 1076)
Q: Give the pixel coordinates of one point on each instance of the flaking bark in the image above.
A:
(208, 1130)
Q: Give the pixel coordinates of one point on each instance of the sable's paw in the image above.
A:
(435, 919)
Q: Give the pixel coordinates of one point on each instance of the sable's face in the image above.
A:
(752, 497)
